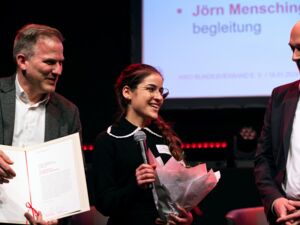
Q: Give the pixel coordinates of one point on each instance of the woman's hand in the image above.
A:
(183, 218)
(145, 174)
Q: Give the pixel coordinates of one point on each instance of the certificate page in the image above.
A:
(15, 194)
(55, 182)
(50, 177)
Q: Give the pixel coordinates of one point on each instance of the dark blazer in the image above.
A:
(273, 144)
(62, 116)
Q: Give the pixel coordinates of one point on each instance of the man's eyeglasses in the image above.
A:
(152, 89)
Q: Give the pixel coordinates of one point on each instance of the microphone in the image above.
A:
(140, 137)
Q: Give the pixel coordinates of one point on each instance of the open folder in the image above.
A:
(50, 178)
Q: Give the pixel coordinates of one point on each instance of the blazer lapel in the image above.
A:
(52, 127)
(7, 98)
(8, 111)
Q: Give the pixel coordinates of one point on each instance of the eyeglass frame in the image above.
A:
(151, 88)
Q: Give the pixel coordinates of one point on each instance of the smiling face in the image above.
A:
(145, 100)
(38, 74)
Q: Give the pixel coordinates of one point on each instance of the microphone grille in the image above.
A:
(139, 136)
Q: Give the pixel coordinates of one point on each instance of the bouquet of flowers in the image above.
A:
(180, 185)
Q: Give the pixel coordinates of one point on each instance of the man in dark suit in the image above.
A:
(277, 160)
(31, 112)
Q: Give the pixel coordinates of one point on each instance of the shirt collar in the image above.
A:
(20, 94)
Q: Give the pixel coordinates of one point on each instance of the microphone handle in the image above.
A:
(143, 149)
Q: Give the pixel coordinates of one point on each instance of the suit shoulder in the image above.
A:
(5, 78)
(58, 99)
(7, 83)
(286, 87)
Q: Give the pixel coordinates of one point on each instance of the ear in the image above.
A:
(21, 61)
(126, 92)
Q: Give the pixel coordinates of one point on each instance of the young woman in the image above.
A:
(120, 175)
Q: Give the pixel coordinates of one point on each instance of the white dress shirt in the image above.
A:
(29, 127)
(292, 182)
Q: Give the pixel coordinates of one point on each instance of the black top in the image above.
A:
(116, 157)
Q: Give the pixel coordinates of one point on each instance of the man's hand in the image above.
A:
(287, 211)
(38, 220)
(6, 172)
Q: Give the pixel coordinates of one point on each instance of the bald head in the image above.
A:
(295, 32)
(295, 43)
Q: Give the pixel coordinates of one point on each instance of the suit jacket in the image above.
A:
(273, 145)
(62, 116)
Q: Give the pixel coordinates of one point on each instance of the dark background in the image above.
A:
(99, 44)
(97, 48)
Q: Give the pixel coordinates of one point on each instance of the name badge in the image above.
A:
(163, 149)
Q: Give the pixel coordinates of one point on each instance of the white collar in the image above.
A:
(132, 133)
